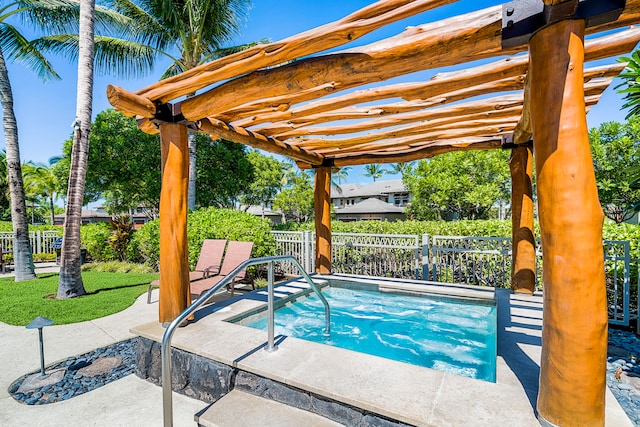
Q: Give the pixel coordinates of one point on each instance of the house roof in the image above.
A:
(290, 97)
(370, 206)
(374, 189)
(88, 213)
(259, 210)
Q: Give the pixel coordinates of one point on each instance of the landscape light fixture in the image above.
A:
(40, 322)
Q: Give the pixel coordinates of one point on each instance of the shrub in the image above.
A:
(43, 257)
(95, 238)
(206, 223)
(117, 267)
(121, 232)
(489, 228)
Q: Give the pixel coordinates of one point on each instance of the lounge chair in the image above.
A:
(210, 259)
(209, 263)
(236, 254)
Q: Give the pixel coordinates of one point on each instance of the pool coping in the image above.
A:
(410, 394)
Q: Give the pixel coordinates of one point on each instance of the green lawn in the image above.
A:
(107, 293)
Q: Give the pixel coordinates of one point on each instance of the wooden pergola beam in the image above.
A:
(593, 78)
(218, 129)
(416, 154)
(418, 48)
(599, 48)
(309, 42)
(389, 139)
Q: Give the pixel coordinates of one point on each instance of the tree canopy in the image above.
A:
(296, 201)
(124, 166)
(615, 148)
(459, 185)
(268, 179)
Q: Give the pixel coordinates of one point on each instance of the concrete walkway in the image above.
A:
(126, 402)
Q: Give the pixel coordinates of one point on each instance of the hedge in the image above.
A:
(206, 223)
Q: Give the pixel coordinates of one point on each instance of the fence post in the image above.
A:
(38, 242)
(307, 256)
(425, 257)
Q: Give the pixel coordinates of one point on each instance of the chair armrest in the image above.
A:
(211, 269)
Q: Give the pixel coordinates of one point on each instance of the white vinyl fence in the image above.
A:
(41, 241)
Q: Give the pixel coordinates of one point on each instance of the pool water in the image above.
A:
(449, 335)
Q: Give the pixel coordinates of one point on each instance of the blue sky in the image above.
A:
(45, 111)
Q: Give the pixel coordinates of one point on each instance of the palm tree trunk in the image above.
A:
(52, 209)
(70, 283)
(23, 260)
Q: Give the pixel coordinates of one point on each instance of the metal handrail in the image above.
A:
(167, 404)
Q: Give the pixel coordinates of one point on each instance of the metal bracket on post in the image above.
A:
(508, 144)
(522, 18)
(171, 113)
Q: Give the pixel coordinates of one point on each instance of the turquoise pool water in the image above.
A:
(445, 334)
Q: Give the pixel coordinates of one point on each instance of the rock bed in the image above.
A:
(624, 353)
(81, 374)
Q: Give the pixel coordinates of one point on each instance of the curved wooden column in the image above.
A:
(322, 208)
(174, 265)
(523, 263)
(574, 332)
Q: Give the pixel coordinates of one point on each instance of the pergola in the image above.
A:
(530, 95)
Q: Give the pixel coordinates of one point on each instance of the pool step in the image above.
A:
(240, 409)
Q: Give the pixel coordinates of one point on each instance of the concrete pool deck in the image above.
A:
(407, 393)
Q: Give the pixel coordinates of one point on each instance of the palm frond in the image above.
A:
(122, 57)
(19, 49)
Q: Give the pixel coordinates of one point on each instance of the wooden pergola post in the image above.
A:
(523, 264)
(574, 332)
(322, 208)
(174, 265)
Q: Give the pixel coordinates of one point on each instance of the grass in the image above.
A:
(107, 293)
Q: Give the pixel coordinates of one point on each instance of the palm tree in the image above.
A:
(70, 283)
(374, 171)
(630, 86)
(43, 182)
(338, 175)
(189, 33)
(14, 46)
(401, 168)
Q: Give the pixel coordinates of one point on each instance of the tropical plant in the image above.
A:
(630, 85)
(338, 175)
(121, 233)
(43, 182)
(374, 171)
(401, 168)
